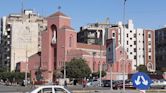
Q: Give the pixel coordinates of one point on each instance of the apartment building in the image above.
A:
(94, 33)
(138, 43)
(160, 38)
(20, 37)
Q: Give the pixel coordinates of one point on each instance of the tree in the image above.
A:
(142, 68)
(57, 73)
(77, 68)
(97, 74)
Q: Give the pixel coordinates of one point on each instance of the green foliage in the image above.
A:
(142, 68)
(97, 74)
(77, 68)
(12, 76)
(2, 70)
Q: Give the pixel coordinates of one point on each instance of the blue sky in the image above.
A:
(150, 14)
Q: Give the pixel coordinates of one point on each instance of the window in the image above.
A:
(130, 31)
(135, 57)
(149, 35)
(130, 38)
(70, 40)
(150, 50)
(131, 53)
(47, 90)
(127, 35)
(130, 45)
(127, 50)
(59, 90)
(135, 50)
(149, 43)
(135, 42)
(150, 58)
(113, 34)
(127, 42)
(134, 35)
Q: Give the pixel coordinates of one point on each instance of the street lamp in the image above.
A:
(124, 7)
(26, 68)
(100, 65)
(100, 42)
(94, 54)
(64, 63)
(39, 73)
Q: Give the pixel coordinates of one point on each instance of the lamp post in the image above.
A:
(39, 76)
(94, 54)
(100, 42)
(26, 68)
(124, 7)
(99, 39)
(100, 65)
(64, 64)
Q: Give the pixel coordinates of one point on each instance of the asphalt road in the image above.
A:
(75, 89)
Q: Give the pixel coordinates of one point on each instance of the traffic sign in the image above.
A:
(141, 80)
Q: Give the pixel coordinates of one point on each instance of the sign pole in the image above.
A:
(111, 77)
(142, 91)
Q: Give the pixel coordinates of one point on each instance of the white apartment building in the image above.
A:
(137, 43)
(21, 37)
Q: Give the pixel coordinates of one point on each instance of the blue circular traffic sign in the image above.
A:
(141, 80)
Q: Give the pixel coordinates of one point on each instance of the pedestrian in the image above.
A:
(33, 83)
(65, 83)
(84, 83)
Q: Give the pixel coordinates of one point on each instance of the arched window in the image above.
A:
(149, 66)
(54, 34)
(70, 40)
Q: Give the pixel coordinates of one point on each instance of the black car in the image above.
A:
(106, 83)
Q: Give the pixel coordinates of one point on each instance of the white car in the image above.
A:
(93, 83)
(158, 84)
(51, 89)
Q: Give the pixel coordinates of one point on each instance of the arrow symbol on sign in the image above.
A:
(145, 82)
(137, 82)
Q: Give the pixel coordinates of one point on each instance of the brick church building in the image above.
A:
(59, 45)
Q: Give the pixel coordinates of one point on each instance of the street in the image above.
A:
(75, 89)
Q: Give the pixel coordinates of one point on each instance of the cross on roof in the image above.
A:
(59, 8)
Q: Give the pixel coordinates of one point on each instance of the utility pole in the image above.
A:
(64, 64)
(100, 42)
(100, 65)
(124, 7)
(26, 68)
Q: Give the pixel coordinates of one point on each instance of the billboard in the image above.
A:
(110, 51)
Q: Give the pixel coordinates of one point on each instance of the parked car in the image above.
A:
(50, 89)
(119, 84)
(106, 83)
(93, 83)
(158, 84)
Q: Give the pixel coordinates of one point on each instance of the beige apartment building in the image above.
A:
(20, 37)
